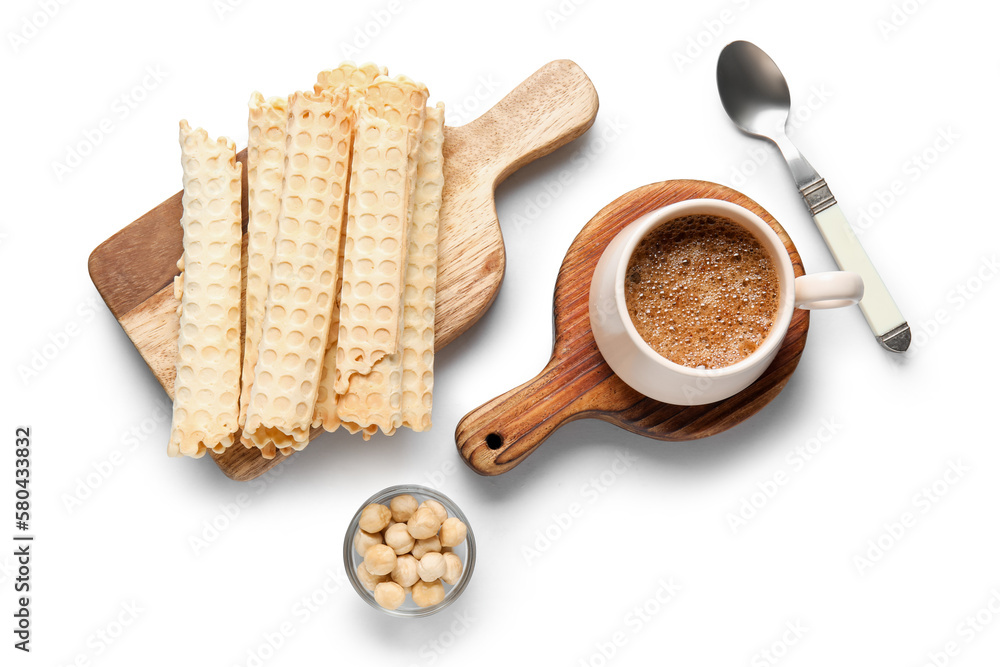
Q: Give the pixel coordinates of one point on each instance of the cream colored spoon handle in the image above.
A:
(884, 319)
(883, 316)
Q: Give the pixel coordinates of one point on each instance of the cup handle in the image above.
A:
(831, 289)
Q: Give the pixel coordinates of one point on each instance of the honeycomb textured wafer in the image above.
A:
(398, 391)
(421, 277)
(374, 401)
(326, 414)
(301, 287)
(207, 387)
(354, 80)
(356, 77)
(265, 168)
(374, 254)
(399, 100)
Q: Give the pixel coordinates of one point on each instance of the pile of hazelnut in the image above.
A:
(407, 548)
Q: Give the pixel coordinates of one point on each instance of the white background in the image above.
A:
(871, 101)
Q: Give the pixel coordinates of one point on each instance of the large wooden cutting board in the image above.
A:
(134, 269)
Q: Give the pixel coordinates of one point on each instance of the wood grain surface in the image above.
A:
(134, 269)
(577, 383)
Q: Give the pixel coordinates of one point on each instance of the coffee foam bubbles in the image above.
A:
(702, 291)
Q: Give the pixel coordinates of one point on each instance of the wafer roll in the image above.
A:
(325, 414)
(356, 77)
(265, 167)
(421, 277)
(399, 100)
(303, 272)
(355, 80)
(398, 390)
(400, 103)
(207, 387)
(374, 255)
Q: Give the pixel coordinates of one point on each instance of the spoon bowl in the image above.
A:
(753, 91)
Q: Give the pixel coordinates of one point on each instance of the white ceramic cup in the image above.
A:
(645, 370)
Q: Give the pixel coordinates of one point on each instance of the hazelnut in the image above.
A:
(389, 594)
(439, 511)
(426, 545)
(397, 537)
(363, 540)
(452, 569)
(405, 572)
(369, 580)
(374, 518)
(431, 567)
(427, 594)
(453, 532)
(380, 559)
(424, 523)
(403, 507)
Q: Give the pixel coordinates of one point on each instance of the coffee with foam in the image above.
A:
(702, 291)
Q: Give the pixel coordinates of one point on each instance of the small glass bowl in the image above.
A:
(466, 551)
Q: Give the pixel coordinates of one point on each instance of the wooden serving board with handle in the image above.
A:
(577, 383)
(134, 269)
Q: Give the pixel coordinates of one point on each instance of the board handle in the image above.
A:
(501, 433)
(550, 108)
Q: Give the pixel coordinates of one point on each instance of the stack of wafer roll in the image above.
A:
(345, 186)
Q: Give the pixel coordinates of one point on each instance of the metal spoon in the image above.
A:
(755, 95)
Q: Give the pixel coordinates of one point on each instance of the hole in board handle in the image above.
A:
(494, 441)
